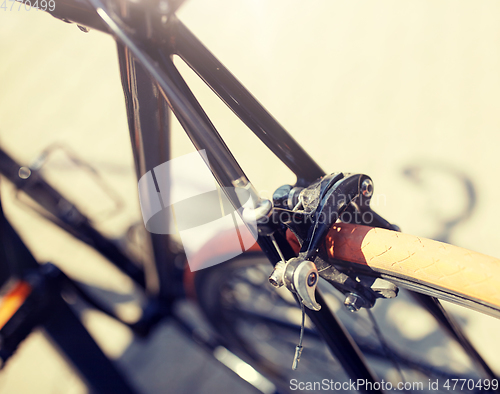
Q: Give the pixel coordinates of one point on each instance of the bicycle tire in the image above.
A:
(426, 266)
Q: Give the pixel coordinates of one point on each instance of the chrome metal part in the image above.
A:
(353, 302)
(24, 172)
(247, 195)
(367, 188)
(304, 286)
(259, 214)
(296, 358)
(276, 278)
(384, 288)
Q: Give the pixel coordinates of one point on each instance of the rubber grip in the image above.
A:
(442, 266)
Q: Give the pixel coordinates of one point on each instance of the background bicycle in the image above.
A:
(385, 87)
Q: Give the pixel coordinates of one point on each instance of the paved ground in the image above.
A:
(407, 92)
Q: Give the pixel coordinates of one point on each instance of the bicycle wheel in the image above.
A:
(261, 324)
(427, 266)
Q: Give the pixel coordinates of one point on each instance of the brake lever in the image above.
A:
(301, 277)
(322, 204)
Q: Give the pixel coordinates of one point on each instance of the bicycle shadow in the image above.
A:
(428, 177)
(167, 360)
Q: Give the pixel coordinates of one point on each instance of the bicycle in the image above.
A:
(216, 278)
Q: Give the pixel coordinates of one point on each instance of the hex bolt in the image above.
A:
(367, 188)
(353, 302)
(276, 278)
(275, 281)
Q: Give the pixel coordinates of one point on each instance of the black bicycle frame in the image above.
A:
(151, 85)
(148, 123)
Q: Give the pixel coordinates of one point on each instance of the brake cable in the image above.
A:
(298, 349)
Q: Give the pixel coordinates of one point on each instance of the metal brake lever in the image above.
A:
(301, 277)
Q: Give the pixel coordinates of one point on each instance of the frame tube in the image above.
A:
(148, 120)
(243, 104)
